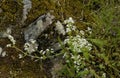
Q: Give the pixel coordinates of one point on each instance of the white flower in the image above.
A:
(68, 30)
(77, 43)
(52, 51)
(32, 41)
(46, 35)
(3, 54)
(8, 45)
(73, 28)
(11, 38)
(47, 50)
(43, 52)
(20, 56)
(75, 62)
(70, 20)
(26, 46)
(64, 55)
(104, 75)
(70, 25)
(82, 32)
(41, 57)
(60, 28)
(8, 31)
(31, 46)
(89, 29)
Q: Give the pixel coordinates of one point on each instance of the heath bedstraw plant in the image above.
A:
(30, 48)
(76, 51)
(69, 25)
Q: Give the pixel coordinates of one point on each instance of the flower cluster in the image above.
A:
(70, 20)
(11, 38)
(89, 30)
(69, 25)
(46, 53)
(77, 43)
(31, 46)
(77, 60)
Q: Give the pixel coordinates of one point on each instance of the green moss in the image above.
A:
(11, 11)
(61, 9)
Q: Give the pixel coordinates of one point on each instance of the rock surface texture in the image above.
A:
(38, 26)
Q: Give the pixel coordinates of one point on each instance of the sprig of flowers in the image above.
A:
(31, 46)
(77, 43)
(77, 46)
(69, 25)
(10, 37)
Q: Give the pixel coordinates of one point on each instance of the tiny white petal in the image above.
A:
(3, 53)
(20, 56)
(8, 45)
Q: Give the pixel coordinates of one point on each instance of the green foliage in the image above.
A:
(105, 38)
(103, 60)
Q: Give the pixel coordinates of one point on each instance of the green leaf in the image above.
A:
(99, 42)
(83, 73)
(86, 55)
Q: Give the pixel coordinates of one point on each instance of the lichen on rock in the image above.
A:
(38, 26)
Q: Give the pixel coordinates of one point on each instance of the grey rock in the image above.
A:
(26, 8)
(56, 47)
(38, 26)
